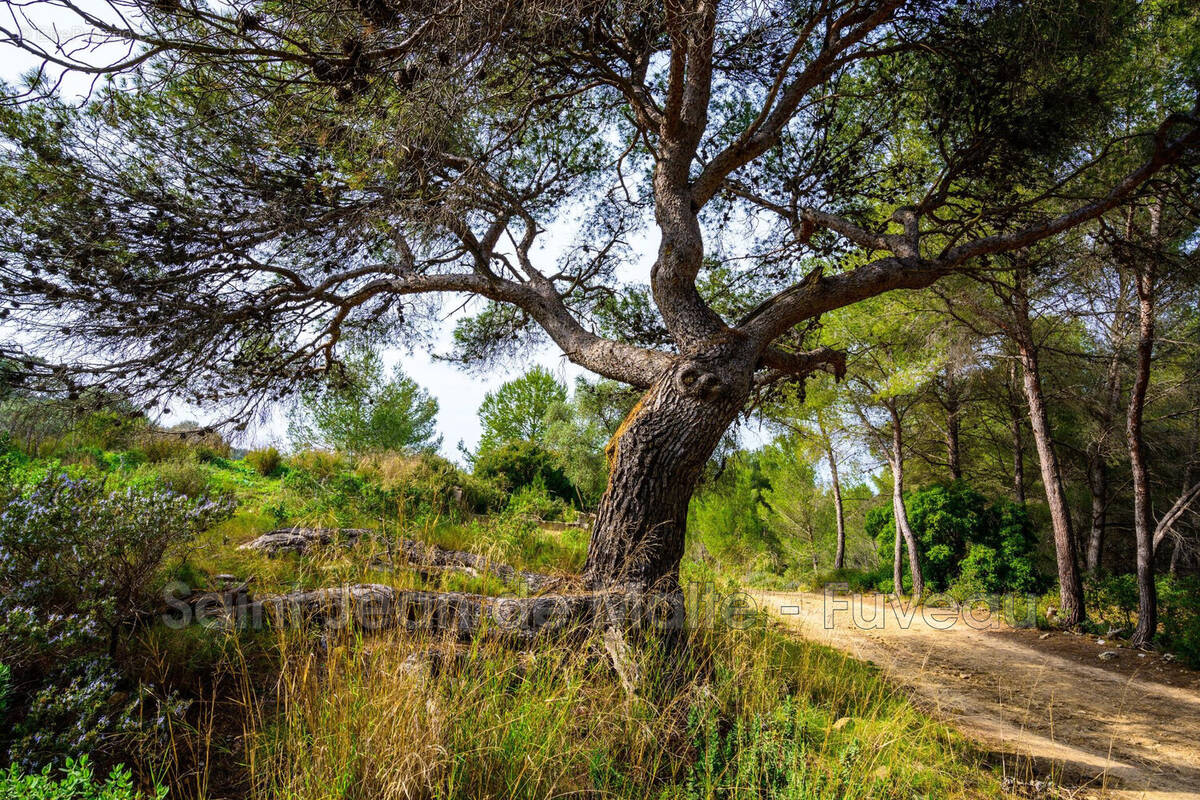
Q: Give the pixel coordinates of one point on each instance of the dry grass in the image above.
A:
(726, 714)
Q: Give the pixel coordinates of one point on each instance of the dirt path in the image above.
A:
(1126, 727)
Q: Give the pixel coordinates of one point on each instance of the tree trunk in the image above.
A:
(1070, 586)
(655, 459)
(897, 554)
(839, 558)
(953, 457)
(1018, 441)
(900, 512)
(1097, 467)
(1143, 521)
(812, 544)
(1098, 487)
(953, 405)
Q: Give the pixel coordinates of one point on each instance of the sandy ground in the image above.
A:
(1127, 727)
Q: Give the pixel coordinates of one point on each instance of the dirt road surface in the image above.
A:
(1124, 727)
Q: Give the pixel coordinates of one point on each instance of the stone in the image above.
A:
(1108, 655)
(301, 540)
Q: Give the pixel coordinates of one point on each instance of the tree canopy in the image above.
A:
(260, 179)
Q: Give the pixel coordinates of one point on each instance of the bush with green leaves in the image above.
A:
(1112, 600)
(535, 500)
(74, 552)
(516, 465)
(266, 461)
(1179, 616)
(74, 781)
(80, 563)
(968, 545)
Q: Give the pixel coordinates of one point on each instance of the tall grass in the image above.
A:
(723, 714)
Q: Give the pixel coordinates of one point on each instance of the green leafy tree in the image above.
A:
(516, 411)
(367, 409)
(578, 433)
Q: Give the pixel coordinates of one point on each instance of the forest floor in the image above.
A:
(1045, 703)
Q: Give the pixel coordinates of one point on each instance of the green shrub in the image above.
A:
(519, 464)
(321, 464)
(162, 447)
(1179, 615)
(265, 461)
(856, 580)
(183, 477)
(967, 545)
(1112, 600)
(535, 500)
(76, 783)
(78, 564)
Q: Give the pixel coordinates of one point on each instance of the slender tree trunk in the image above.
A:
(1018, 441)
(953, 453)
(1098, 487)
(897, 552)
(1070, 585)
(901, 514)
(812, 544)
(839, 558)
(1143, 520)
(655, 459)
(953, 405)
(1097, 466)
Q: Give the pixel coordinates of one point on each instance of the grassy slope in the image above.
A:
(728, 713)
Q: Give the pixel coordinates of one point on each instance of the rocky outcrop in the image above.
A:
(302, 540)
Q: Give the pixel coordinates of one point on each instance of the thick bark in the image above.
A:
(1143, 520)
(839, 558)
(901, 513)
(1070, 585)
(655, 459)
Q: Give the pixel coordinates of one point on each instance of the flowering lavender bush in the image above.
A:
(74, 555)
(78, 564)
